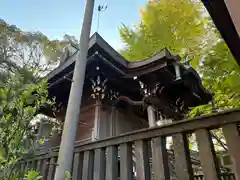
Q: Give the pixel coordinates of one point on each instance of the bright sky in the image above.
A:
(55, 18)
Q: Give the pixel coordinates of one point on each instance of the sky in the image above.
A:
(55, 18)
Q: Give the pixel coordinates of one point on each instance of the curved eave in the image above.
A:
(206, 96)
(98, 46)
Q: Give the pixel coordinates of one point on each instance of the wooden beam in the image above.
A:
(224, 21)
(233, 9)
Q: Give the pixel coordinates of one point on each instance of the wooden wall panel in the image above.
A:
(86, 124)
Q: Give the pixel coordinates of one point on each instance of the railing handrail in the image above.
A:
(206, 121)
(113, 157)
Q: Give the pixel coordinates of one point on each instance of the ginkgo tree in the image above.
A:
(176, 25)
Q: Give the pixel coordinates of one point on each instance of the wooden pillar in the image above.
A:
(87, 171)
(207, 155)
(160, 159)
(182, 157)
(51, 168)
(77, 166)
(231, 134)
(151, 116)
(233, 8)
(97, 115)
(126, 162)
(142, 160)
(99, 164)
(112, 163)
(113, 121)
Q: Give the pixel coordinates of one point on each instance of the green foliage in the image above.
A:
(176, 25)
(19, 103)
(30, 53)
(32, 175)
(68, 176)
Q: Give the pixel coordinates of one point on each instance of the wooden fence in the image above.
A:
(102, 160)
(224, 176)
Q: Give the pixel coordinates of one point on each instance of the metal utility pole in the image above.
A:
(65, 155)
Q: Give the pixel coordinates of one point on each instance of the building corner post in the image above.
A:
(151, 116)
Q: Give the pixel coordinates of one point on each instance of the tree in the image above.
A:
(25, 58)
(176, 25)
(30, 53)
(19, 103)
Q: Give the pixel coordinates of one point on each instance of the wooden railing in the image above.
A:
(102, 160)
(224, 176)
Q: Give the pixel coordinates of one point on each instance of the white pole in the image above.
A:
(65, 156)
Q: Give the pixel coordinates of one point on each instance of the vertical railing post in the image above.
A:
(126, 162)
(87, 171)
(77, 166)
(99, 164)
(142, 160)
(112, 163)
(182, 157)
(207, 155)
(231, 134)
(160, 159)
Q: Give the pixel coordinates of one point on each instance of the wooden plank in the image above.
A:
(39, 162)
(99, 164)
(142, 160)
(160, 159)
(30, 165)
(44, 169)
(182, 157)
(51, 169)
(77, 166)
(111, 163)
(126, 162)
(232, 137)
(207, 155)
(34, 164)
(26, 167)
(87, 173)
(176, 127)
(22, 168)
